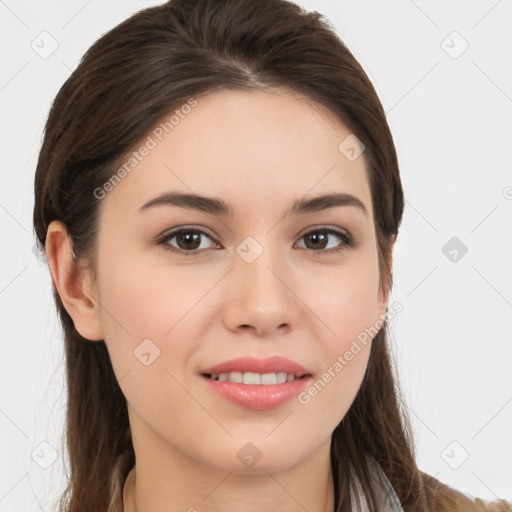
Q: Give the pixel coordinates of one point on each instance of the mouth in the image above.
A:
(258, 384)
(255, 379)
(251, 370)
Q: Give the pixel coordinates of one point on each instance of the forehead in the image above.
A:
(249, 147)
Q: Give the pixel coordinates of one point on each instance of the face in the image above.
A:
(259, 282)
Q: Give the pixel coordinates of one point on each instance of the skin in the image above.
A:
(259, 152)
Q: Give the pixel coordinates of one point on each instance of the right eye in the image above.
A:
(188, 238)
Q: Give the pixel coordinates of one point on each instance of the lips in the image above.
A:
(250, 364)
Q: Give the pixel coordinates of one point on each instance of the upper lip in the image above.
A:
(273, 364)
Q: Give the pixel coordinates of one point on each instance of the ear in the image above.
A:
(384, 287)
(72, 282)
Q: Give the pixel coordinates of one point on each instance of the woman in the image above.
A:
(228, 375)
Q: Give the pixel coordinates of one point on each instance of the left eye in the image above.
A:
(319, 237)
(189, 243)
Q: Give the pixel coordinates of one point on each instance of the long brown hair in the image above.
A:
(145, 67)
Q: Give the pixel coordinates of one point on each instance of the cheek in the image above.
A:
(329, 397)
(154, 318)
(145, 299)
(348, 309)
(345, 353)
(345, 302)
(150, 337)
(137, 309)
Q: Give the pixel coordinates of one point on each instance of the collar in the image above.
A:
(387, 500)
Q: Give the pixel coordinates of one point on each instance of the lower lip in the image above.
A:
(258, 396)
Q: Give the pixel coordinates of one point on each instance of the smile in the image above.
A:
(252, 378)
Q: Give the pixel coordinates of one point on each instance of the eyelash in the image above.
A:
(347, 240)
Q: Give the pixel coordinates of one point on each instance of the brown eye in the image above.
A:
(188, 241)
(319, 240)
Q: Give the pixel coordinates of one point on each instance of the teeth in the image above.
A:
(255, 378)
(252, 378)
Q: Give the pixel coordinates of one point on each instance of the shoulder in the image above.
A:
(444, 498)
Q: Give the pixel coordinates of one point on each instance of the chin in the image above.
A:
(251, 460)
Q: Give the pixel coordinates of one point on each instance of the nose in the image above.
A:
(261, 298)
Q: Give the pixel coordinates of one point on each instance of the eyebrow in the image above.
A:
(216, 206)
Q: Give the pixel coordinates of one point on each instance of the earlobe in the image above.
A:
(71, 280)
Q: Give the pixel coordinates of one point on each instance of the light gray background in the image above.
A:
(450, 112)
